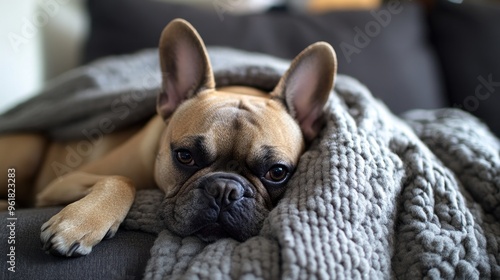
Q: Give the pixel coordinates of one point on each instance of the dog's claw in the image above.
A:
(110, 234)
(72, 250)
(55, 252)
(47, 245)
(45, 227)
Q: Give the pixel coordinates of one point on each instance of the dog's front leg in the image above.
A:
(84, 223)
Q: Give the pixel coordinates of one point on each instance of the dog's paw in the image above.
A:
(74, 231)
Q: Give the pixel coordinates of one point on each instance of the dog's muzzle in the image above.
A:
(215, 206)
(225, 190)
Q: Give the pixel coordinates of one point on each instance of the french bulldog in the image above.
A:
(222, 156)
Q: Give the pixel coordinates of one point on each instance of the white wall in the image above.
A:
(20, 53)
(39, 40)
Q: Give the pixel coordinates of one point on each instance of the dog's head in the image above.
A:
(226, 155)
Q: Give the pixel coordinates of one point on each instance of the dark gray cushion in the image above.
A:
(467, 38)
(122, 257)
(397, 64)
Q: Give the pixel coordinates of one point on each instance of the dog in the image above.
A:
(189, 150)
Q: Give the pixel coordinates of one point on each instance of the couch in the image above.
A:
(408, 56)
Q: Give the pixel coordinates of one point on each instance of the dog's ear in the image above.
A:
(306, 85)
(185, 66)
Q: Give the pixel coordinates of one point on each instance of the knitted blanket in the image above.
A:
(374, 197)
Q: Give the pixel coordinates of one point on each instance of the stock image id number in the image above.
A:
(11, 189)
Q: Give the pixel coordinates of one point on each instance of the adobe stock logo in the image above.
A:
(372, 29)
(30, 26)
(120, 109)
(223, 6)
(483, 91)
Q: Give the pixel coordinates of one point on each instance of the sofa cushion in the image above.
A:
(122, 257)
(386, 49)
(467, 39)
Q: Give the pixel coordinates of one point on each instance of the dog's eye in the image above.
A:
(185, 157)
(277, 173)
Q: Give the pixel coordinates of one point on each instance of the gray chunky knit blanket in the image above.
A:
(375, 197)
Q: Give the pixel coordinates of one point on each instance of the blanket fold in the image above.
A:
(374, 197)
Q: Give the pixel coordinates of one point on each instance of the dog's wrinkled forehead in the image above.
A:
(219, 110)
(234, 124)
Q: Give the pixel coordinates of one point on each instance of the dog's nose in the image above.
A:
(225, 191)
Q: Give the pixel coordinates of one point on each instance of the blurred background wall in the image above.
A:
(39, 40)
